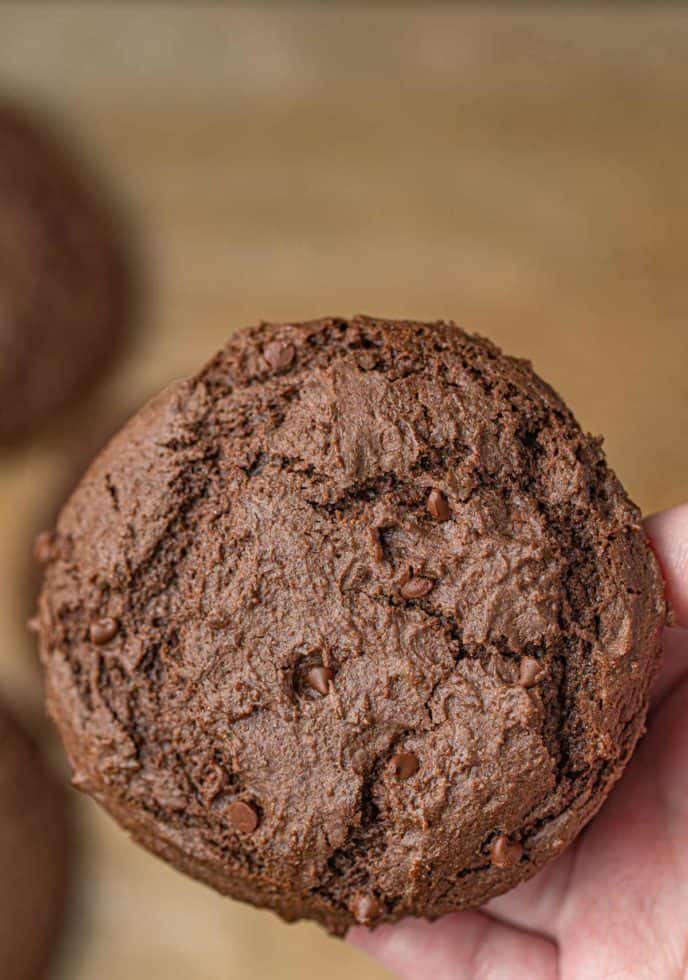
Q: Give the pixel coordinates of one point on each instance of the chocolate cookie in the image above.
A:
(76, 455)
(33, 856)
(355, 624)
(63, 290)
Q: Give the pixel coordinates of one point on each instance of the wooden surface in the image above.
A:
(522, 170)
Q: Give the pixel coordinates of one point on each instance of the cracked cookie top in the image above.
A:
(355, 624)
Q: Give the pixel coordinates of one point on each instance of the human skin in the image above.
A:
(615, 904)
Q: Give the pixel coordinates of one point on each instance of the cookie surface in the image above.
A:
(33, 855)
(355, 624)
(62, 281)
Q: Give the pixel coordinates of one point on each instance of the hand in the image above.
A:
(615, 904)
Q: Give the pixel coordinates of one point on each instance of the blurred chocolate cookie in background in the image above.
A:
(34, 855)
(66, 292)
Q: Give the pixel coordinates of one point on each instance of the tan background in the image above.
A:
(522, 170)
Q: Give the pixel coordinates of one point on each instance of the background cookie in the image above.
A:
(33, 856)
(355, 624)
(63, 288)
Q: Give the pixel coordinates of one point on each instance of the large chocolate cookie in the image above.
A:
(62, 279)
(33, 856)
(355, 624)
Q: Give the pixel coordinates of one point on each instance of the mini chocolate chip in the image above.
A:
(405, 764)
(103, 630)
(243, 816)
(318, 678)
(531, 672)
(416, 587)
(278, 356)
(437, 505)
(505, 853)
(365, 908)
(44, 547)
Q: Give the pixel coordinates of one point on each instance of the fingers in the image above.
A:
(674, 665)
(461, 946)
(668, 533)
(537, 904)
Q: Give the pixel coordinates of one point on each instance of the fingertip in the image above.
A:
(360, 936)
(674, 665)
(401, 947)
(376, 940)
(457, 947)
(668, 533)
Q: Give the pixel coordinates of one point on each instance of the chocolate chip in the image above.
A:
(278, 356)
(365, 908)
(405, 764)
(531, 672)
(416, 587)
(505, 853)
(103, 630)
(243, 816)
(319, 678)
(437, 505)
(44, 547)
